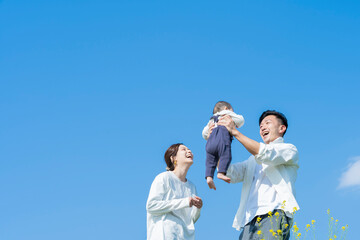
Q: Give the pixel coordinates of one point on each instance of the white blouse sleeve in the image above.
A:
(195, 212)
(157, 205)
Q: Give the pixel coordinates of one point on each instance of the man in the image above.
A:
(268, 195)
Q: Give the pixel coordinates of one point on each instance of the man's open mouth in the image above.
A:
(265, 133)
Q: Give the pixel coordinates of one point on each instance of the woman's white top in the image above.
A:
(168, 213)
(238, 120)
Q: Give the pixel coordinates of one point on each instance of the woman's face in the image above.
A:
(184, 155)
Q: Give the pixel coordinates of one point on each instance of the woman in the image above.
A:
(172, 206)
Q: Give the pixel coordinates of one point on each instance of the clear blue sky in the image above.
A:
(93, 92)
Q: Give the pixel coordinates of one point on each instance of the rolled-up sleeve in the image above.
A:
(276, 154)
(236, 172)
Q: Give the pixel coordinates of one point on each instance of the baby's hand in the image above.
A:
(211, 127)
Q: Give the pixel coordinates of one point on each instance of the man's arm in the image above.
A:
(277, 154)
(251, 145)
(236, 171)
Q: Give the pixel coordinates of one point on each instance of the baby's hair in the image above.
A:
(220, 105)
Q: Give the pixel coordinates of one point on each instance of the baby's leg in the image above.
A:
(224, 162)
(211, 161)
(222, 176)
(210, 183)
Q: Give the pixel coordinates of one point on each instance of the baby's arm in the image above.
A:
(205, 132)
(238, 119)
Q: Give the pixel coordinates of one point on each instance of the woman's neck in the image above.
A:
(181, 172)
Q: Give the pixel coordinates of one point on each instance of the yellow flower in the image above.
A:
(270, 214)
(279, 231)
(271, 230)
(330, 239)
(343, 228)
(308, 225)
(295, 209)
(312, 221)
(296, 228)
(277, 214)
(332, 218)
(299, 235)
(286, 225)
(335, 236)
(259, 232)
(274, 233)
(258, 219)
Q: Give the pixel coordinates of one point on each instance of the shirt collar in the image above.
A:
(278, 140)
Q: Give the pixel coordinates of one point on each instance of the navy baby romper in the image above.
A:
(218, 148)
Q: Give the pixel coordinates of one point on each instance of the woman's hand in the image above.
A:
(227, 122)
(195, 201)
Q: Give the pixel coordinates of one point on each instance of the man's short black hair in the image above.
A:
(277, 114)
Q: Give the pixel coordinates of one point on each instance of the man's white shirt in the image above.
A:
(268, 180)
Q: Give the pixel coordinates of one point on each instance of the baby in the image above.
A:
(218, 146)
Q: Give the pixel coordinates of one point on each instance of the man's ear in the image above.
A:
(282, 129)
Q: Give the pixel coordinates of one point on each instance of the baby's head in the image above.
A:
(222, 105)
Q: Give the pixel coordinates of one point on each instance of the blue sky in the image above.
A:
(93, 92)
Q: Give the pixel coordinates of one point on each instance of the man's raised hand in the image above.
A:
(227, 122)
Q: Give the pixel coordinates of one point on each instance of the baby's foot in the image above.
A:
(222, 176)
(210, 183)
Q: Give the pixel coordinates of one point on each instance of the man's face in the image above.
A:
(271, 128)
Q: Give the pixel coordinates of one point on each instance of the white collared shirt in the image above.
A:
(268, 180)
(262, 196)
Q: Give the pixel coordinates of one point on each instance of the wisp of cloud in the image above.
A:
(351, 176)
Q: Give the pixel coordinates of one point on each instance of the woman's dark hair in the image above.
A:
(171, 152)
(277, 114)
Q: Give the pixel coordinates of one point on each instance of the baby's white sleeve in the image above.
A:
(238, 120)
(205, 132)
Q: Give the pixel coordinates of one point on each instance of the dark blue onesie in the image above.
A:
(218, 148)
